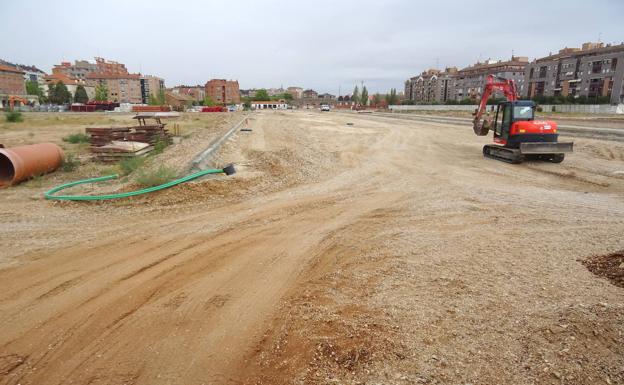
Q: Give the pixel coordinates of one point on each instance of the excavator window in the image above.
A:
(523, 113)
(507, 117)
(503, 120)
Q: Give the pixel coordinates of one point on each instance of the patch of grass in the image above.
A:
(14, 117)
(77, 138)
(161, 175)
(159, 146)
(70, 163)
(36, 181)
(129, 165)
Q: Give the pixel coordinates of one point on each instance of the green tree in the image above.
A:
(59, 94)
(208, 101)
(262, 95)
(392, 98)
(364, 96)
(376, 99)
(101, 93)
(80, 96)
(355, 98)
(33, 88)
(285, 96)
(157, 99)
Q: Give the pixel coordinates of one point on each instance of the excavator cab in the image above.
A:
(508, 113)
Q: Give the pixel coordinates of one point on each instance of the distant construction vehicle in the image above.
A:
(13, 99)
(518, 136)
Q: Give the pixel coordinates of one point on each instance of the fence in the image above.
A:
(574, 108)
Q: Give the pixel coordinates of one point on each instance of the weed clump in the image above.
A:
(161, 175)
(76, 138)
(14, 117)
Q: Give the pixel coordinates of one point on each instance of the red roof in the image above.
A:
(58, 76)
(10, 69)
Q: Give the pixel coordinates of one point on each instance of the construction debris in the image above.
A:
(109, 144)
(119, 150)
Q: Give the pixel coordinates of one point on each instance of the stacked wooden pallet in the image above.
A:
(100, 136)
(117, 150)
(149, 134)
(111, 144)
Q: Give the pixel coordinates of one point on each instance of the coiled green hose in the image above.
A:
(228, 170)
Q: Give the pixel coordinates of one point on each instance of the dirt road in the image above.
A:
(385, 251)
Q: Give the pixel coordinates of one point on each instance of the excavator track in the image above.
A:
(509, 155)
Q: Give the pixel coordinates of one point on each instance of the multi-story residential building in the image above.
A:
(198, 93)
(223, 91)
(78, 70)
(151, 86)
(122, 88)
(31, 73)
(71, 84)
(594, 70)
(11, 83)
(432, 85)
(309, 94)
(275, 91)
(296, 92)
(470, 80)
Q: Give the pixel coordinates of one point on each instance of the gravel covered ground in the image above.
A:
(348, 249)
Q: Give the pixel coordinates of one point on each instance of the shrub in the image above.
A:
(76, 138)
(14, 117)
(129, 165)
(161, 175)
(70, 163)
(159, 146)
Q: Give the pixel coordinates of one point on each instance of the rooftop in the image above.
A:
(7, 68)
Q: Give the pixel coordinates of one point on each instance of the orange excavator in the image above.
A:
(518, 136)
(13, 99)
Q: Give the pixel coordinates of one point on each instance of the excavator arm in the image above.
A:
(481, 124)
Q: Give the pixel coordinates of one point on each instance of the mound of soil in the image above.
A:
(609, 266)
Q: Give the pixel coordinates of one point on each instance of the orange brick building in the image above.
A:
(223, 91)
(11, 81)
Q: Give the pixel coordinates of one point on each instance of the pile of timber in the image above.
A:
(105, 135)
(118, 150)
(149, 134)
(110, 144)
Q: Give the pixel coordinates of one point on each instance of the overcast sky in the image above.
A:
(313, 44)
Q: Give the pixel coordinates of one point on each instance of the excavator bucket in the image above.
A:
(481, 127)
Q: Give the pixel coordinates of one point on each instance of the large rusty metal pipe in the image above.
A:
(23, 162)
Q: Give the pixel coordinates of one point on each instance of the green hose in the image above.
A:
(50, 194)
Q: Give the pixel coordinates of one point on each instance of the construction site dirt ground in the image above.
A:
(348, 249)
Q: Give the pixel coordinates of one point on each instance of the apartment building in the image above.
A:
(594, 70)
(31, 73)
(81, 68)
(151, 86)
(122, 88)
(198, 93)
(223, 91)
(71, 84)
(309, 94)
(78, 70)
(432, 85)
(469, 81)
(296, 92)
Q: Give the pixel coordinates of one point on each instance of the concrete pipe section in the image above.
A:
(23, 162)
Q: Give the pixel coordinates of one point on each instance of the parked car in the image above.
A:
(324, 107)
